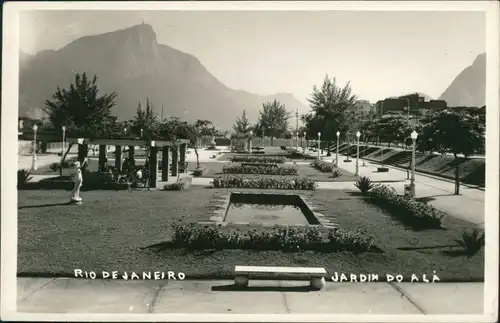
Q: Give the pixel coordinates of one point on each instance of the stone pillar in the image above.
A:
(175, 160)
(153, 166)
(102, 156)
(131, 155)
(82, 152)
(164, 163)
(250, 145)
(182, 157)
(118, 157)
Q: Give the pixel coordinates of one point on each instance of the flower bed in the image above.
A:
(198, 236)
(259, 159)
(322, 166)
(416, 214)
(296, 183)
(266, 169)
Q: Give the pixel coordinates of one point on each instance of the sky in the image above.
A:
(382, 54)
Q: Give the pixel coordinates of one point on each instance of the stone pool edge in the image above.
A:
(219, 214)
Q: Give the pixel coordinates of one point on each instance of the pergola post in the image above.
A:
(153, 165)
(182, 157)
(102, 157)
(164, 163)
(118, 157)
(131, 156)
(82, 152)
(175, 160)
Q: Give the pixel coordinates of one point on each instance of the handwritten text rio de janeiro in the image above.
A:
(156, 275)
(367, 278)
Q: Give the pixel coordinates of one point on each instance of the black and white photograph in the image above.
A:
(223, 161)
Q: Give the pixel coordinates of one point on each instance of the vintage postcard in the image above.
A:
(248, 161)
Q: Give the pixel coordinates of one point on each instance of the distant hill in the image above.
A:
(133, 64)
(469, 87)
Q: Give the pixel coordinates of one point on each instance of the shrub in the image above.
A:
(336, 173)
(364, 184)
(417, 214)
(471, 242)
(283, 148)
(322, 166)
(23, 177)
(199, 171)
(210, 236)
(259, 159)
(297, 183)
(180, 185)
(265, 169)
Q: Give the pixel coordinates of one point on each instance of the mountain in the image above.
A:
(133, 64)
(469, 87)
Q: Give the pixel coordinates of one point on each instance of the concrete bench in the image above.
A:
(314, 274)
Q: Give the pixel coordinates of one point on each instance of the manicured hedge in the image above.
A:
(296, 183)
(265, 169)
(201, 236)
(416, 214)
(259, 159)
(323, 166)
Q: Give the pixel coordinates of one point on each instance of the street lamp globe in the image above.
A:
(338, 133)
(414, 135)
(319, 134)
(35, 127)
(63, 128)
(358, 134)
(251, 132)
(304, 134)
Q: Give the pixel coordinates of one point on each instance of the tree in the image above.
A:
(242, 125)
(81, 110)
(458, 132)
(273, 119)
(173, 129)
(332, 110)
(145, 120)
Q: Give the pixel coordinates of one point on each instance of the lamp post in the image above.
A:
(337, 148)
(319, 144)
(414, 136)
(142, 131)
(33, 163)
(358, 134)
(304, 145)
(63, 140)
(297, 140)
(250, 142)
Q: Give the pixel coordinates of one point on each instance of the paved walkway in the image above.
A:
(469, 205)
(65, 295)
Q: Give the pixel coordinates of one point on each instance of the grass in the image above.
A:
(471, 171)
(109, 231)
(215, 169)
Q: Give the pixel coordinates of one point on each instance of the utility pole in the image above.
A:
(162, 112)
(297, 126)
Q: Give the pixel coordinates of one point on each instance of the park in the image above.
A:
(253, 203)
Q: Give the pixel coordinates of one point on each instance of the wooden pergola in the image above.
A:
(178, 154)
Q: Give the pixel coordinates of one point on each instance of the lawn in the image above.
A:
(215, 169)
(109, 231)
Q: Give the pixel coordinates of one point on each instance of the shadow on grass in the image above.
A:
(169, 245)
(427, 247)
(455, 253)
(235, 288)
(44, 205)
